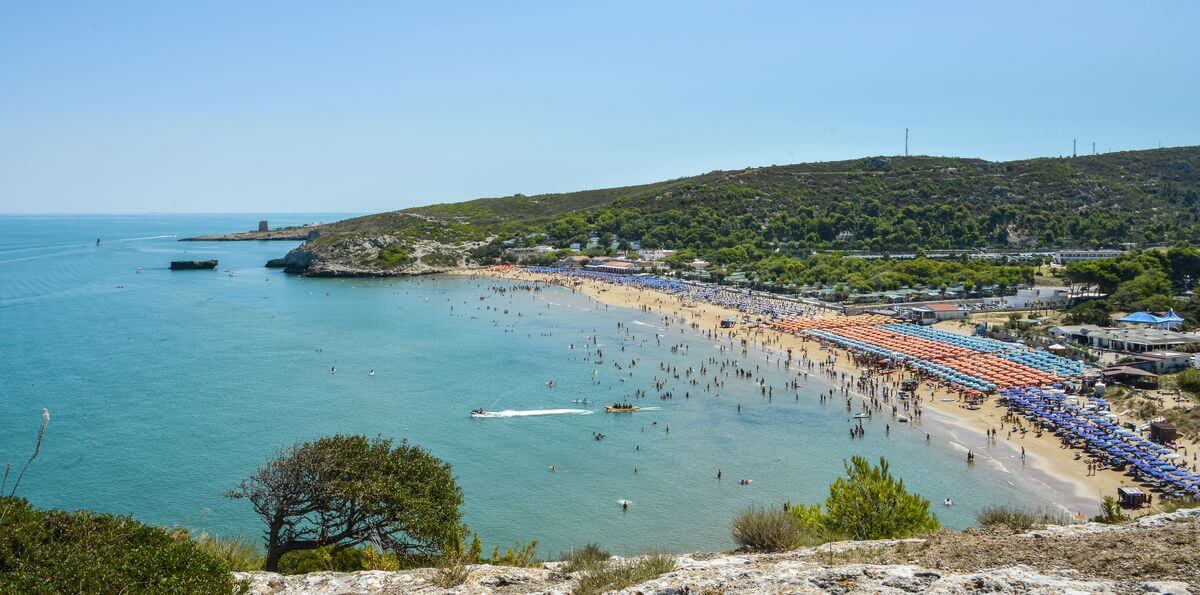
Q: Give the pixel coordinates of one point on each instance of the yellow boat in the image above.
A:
(621, 408)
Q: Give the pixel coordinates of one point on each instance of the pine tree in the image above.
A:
(871, 504)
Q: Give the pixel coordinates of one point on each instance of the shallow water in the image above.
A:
(167, 387)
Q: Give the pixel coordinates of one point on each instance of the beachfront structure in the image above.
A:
(1038, 297)
(932, 313)
(619, 267)
(654, 255)
(540, 249)
(1164, 361)
(1169, 320)
(1069, 256)
(1126, 339)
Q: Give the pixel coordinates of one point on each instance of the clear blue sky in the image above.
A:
(366, 106)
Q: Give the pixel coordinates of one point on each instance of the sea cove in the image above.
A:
(166, 387)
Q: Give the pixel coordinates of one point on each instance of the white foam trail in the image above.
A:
(141, 238)
(531, 412)
(641, 323)
(650, 408)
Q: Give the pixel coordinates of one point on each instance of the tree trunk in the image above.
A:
(274, 551)
(273, 556)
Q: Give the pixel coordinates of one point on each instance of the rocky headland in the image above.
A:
(1155, 554)
(300, 233)
(373, 255)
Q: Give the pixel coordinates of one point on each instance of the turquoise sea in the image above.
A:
(165, 388)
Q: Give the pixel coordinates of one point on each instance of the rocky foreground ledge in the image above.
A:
(1157, 554)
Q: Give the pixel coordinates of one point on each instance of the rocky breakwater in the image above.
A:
(373, 255)
(193, 265)
(1152, 555)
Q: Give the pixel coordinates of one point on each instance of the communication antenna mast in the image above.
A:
(1093, 147)
(1074, 144)
(906, 142)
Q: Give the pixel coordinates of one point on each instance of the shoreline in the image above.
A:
(1045, 466)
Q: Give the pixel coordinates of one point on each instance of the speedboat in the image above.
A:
(478, 412)
(621, 408)
(581, 401)
(862, 415)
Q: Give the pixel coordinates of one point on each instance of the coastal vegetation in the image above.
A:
(770, 220)
(879, 203)
(343, 492)
(52, 551)
(863, 275)
(614, 575)
(1017, 518)
(1138, 280)
(581, 558)
(869, 503)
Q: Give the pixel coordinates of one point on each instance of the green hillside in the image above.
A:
(881, 203)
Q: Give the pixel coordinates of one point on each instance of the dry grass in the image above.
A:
(766, 530)
(451, 573)
(1130, 555)
(584, 558)
(1017, 519)
(614, 576)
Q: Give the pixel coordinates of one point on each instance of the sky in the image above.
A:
(363, 106)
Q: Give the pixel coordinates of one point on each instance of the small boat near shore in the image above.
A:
(621, 408)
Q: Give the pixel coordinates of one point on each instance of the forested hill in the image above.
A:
(879, 203)
(876, 203)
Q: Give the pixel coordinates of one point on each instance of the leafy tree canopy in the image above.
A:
(346, 491)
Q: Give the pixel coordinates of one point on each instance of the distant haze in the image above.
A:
(372, 106)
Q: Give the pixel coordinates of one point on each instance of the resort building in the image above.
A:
(1130, 340)
(931, 313)
(656, 254)
(1069, 256)
(1038, 297)
(1164, 362)
(575, 262)
(620, 267)
(542, 249)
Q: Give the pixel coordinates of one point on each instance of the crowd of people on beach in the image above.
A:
(746, 301)
(869, 383)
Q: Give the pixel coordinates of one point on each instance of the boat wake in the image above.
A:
(531, 412)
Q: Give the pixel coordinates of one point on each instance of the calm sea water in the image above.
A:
(167, 387)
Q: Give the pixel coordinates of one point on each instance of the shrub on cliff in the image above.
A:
(866, 504)
(617, 575)
(769, 530)
(871, 504)
(1017, 519)
(344, 492)
(51, 551)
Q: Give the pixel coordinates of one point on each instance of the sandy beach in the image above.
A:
(1046, 462)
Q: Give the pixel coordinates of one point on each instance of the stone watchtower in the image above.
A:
(262, 226)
